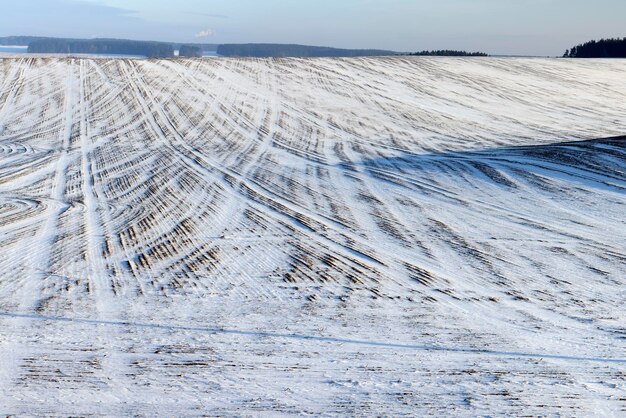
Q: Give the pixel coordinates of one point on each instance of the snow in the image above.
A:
(371, 236)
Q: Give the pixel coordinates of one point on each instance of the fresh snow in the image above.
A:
(373, 236)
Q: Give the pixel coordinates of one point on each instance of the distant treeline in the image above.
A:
(102, 46)
(22, 40)
(190, 51)
(448, 53)
(604, 48)
(166, 50)
(287, 50)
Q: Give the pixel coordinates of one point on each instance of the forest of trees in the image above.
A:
(102, 46)
(190, 51)
(21, 40)
(604, 48)
(56, 45)
(288, 50)
(448, 53)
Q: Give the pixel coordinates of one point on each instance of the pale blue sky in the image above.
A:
(531, 27)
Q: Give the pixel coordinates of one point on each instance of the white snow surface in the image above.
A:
(374, 236)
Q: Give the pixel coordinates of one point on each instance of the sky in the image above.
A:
(512, 27)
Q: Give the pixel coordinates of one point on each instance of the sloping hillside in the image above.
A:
(374, 236)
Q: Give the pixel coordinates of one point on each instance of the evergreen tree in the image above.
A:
(604, 48)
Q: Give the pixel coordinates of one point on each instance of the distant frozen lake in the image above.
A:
(204, 53)
(14, 49)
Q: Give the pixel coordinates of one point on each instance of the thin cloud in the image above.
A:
(207, 33)
(213, 15)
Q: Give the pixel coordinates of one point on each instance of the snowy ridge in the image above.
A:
(357, 236)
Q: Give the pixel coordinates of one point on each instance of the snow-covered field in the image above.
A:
(387, 236)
